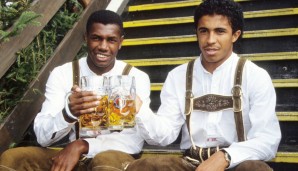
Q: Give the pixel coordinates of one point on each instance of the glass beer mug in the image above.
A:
(122, 109)
(91, 124)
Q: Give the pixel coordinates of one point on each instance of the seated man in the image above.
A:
(60, 110)
(224, 106)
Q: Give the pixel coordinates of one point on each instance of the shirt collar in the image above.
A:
(223, 65)
(90, 72)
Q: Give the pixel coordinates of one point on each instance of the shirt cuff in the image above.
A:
(94, 148)
(68, 113)
(236, 157)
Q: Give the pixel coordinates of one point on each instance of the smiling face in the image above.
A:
(215, 38)
(103, 42)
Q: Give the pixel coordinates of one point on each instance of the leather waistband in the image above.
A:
(201, 154)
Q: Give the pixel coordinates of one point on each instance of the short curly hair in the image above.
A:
(228, 8)
(104, 17)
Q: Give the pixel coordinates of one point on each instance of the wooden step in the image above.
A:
(286, 157)
(193, 38)
(278, 83)
(189, 19)
(167, 5)
(173, 150)
(181, 60)
(287, 116)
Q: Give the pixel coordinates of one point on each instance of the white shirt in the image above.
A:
(210, 129)
(50, 126)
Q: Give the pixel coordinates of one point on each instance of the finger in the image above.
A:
(75, 88)
(138, 104)
(84, 108)
(55, 166)
(83, 97)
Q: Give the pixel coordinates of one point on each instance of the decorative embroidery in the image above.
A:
(213, 102)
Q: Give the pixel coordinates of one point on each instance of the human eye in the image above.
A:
(113, 40)
(202, 31)
(221, 31)
(95, 38)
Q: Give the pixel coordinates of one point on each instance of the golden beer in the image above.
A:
(91, 124)
(121, 113)
(122, 108)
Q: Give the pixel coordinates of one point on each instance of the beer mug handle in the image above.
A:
(133, 88)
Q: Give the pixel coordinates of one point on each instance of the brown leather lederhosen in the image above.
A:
(206, 103)
(76, 81)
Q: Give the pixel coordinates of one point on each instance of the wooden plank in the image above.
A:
(193, 38)
(8, 49)
(23, 114)
(285, 83)
(154, 151)
(167, 5)
(189, 19)
(278, 83)
(181, 60)
(287, 116)
(286, 157)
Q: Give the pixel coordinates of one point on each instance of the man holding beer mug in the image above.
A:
(64, 104)
(224, 106)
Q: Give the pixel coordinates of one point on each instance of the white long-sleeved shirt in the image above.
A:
(50, 126)
(210, 129)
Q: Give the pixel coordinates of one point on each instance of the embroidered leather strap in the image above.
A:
(76, 81)
(201, 103)
(201, 154)
(212, 103)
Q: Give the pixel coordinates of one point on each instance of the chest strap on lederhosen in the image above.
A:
(126, 69)
(233, 101)
(76, 81)
(237, 100)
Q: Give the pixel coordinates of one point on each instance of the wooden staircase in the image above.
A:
(160, 35)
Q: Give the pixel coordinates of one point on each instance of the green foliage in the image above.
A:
(11, 10)
(31, 59)
(26, 18)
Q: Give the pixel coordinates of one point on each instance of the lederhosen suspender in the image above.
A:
(76, 81)
(127, 69)
(201, 103)
(237, 100)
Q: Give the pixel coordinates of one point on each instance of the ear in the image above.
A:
(236, 35)
(121, 40)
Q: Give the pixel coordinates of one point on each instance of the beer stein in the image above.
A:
(122, 109)
(91, 124)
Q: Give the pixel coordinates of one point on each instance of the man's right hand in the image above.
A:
(139, 103)
(67, 158)
(82, 102)
(216, 162)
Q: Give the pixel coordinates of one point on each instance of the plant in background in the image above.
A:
(14, 17)
(26, 18)
(31, 59)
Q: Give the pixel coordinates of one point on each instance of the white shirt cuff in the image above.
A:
(67, 107)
